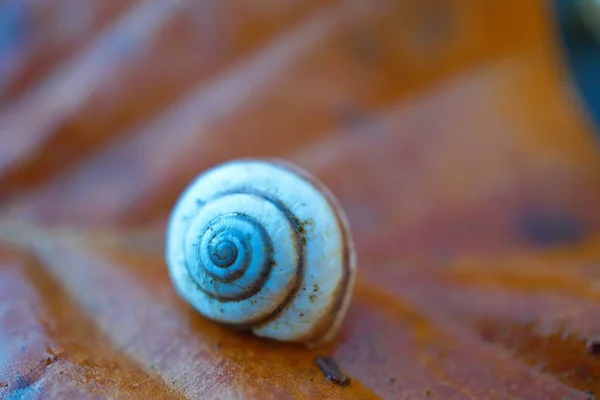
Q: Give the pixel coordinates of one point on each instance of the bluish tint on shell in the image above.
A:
(262, 245)
(241, 270)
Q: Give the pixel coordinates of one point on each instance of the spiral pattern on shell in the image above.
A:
(264, 246)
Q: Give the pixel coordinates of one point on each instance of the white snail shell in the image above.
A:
(262, 245)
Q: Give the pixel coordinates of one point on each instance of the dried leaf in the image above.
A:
(466, 164)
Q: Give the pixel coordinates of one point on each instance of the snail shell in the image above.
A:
(262, 245)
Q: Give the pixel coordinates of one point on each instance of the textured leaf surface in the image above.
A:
(449, 131)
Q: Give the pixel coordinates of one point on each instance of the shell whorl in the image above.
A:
(264, 246)
(231, 258)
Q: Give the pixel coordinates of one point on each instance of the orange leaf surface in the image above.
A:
(449, 131)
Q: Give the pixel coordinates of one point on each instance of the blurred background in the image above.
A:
(456, 134)
(408, 109)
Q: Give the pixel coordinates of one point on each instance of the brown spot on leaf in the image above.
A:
(551, 228)
(594, 348)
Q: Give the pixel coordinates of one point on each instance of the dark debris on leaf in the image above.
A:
(331, 370)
